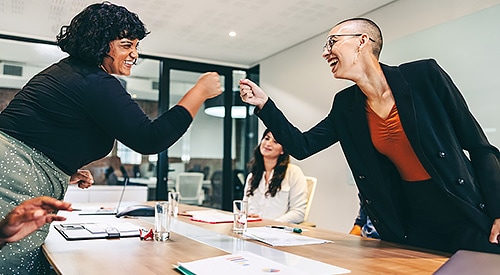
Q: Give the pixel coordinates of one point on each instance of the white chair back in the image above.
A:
(311, 189)
(189, 186)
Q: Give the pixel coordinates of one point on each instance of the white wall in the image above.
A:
(299, 81)
(467, 48)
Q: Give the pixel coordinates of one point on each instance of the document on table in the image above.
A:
(239, 263)
(280, 237)
(213, 216)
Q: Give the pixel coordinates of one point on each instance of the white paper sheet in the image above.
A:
(280, 237)
(240, 263)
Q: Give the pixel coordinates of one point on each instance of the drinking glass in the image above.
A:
(240, 211)
(173, 198)
(162, 221)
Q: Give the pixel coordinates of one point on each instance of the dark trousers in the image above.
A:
(433, 221)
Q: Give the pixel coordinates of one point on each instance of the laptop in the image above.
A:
(107, 211)
(471, 262)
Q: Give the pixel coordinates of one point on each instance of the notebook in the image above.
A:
(470, 262)
(105, 211)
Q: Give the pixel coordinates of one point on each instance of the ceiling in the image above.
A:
(198, 29)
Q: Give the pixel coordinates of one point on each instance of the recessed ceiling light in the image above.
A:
(232, 33)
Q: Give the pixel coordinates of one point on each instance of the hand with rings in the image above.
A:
(252, 94)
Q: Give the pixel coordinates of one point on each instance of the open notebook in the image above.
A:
(105, 211)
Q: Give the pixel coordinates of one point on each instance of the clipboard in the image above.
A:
(88, 231)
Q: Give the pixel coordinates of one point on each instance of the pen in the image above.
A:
(287, 228)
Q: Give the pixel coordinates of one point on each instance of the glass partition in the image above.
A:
(143, 86)
(201, 148)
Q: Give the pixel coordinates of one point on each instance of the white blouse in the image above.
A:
(288, 205)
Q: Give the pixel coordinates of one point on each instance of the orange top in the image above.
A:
(389, 139)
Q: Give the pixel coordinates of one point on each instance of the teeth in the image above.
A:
(333, 62)
(130, 62)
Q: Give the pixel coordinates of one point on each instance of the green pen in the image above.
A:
(287, 228)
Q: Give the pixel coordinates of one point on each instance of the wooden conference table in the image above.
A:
(133, 256)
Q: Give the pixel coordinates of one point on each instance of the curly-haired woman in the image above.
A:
(70, 114)
(275, 188)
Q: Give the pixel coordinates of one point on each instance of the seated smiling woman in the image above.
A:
(275, 188)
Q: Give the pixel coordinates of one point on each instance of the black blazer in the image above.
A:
(439, 126)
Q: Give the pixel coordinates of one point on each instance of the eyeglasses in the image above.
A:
(330, 40)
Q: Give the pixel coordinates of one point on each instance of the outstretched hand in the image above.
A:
(83, 178)
(252, 94)
(29, 216)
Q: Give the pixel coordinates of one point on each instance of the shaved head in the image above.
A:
(365, 25)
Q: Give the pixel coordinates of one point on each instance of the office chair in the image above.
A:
(216, 181)
(311, 189)
(189, 186)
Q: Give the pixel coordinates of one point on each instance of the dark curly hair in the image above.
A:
(88, 35)
(256, 167)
